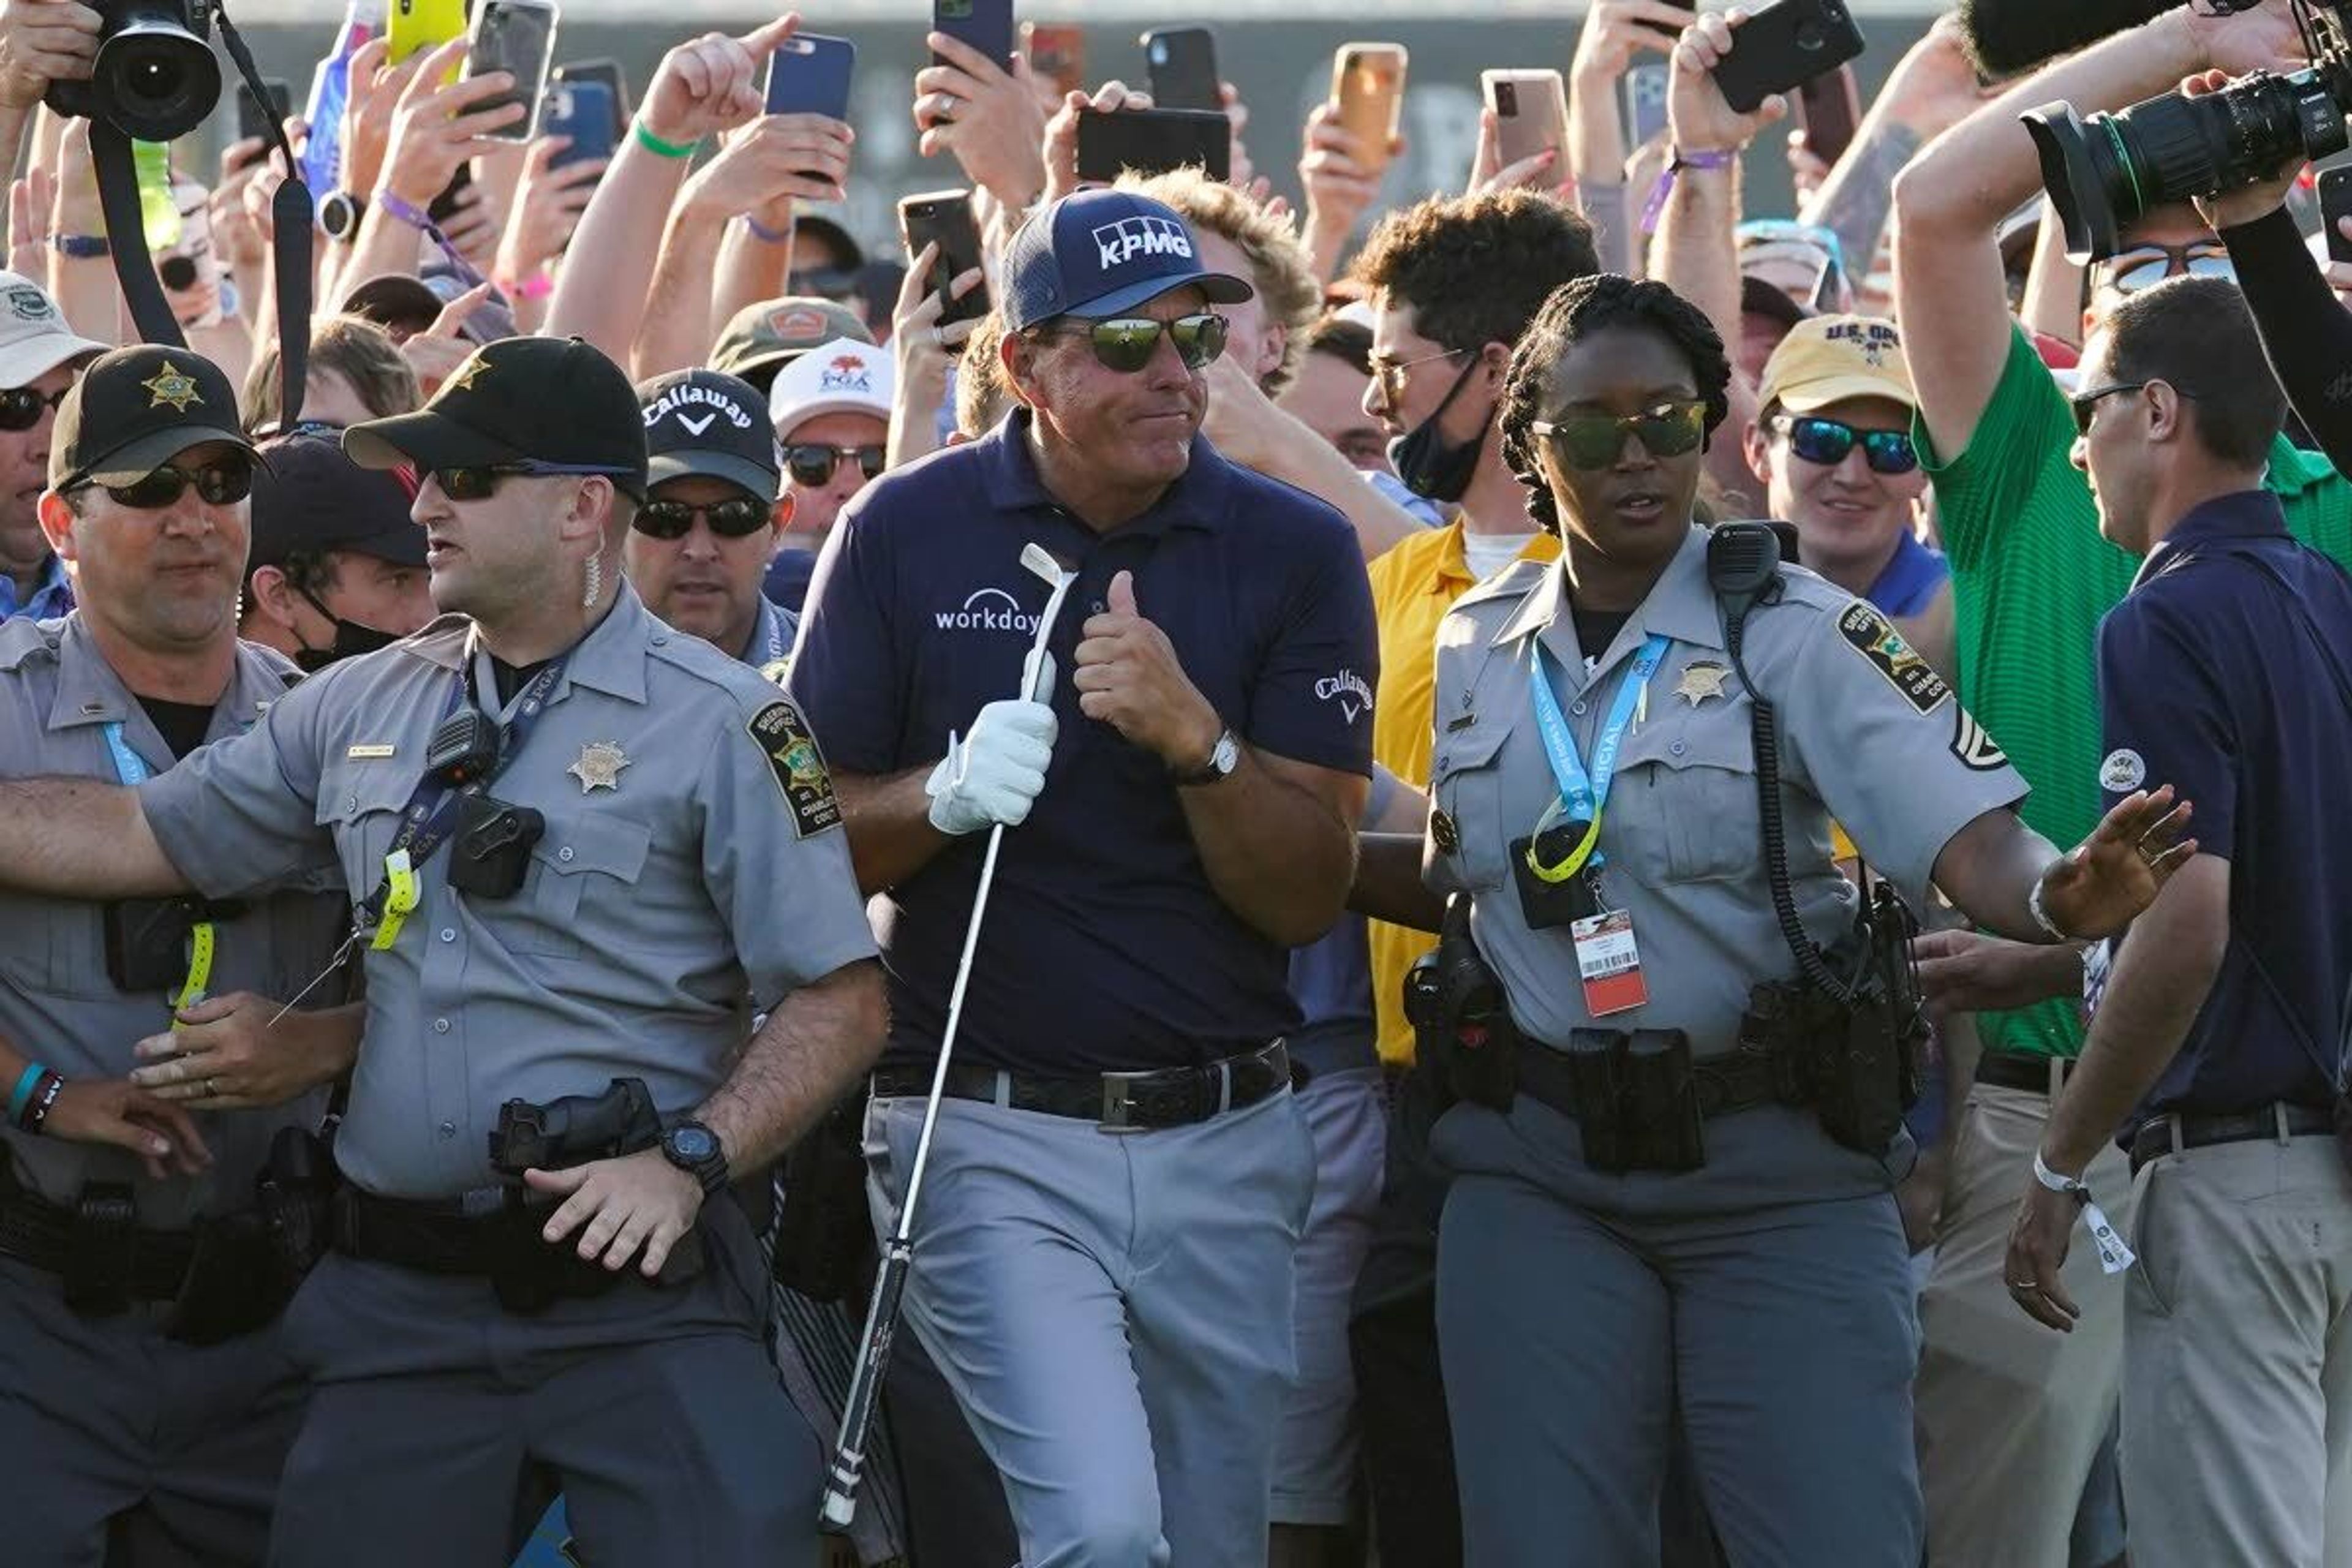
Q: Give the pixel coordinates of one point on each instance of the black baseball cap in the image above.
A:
(701, 423)
(136, 409)
(555, 401)
(312, 497)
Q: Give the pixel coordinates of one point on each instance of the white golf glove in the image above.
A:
(995, 773)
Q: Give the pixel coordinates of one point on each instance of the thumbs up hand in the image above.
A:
(1129, 677)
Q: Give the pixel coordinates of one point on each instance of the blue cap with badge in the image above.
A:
(1097, 253)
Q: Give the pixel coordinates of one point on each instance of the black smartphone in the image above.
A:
(944, 218)
(614, 81)
(986, 25)
(255, 119)
(516, 36)
(1154, 141)
(2335, 205)
(1828, 108)
(810, 74)
(1183, 66)
(1784, 46)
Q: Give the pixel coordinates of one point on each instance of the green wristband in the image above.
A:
(655, 144)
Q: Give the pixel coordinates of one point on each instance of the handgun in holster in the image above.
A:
(294, 1196)
(576, 1130)
(1462, 1023)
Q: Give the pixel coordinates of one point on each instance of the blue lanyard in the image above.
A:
(128, 765)
(1582, 795)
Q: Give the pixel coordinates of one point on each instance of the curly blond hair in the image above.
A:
(1279, 268)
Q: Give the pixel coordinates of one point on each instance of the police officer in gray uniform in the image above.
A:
(572, 824)
(1677, 1143)
(146, 1404)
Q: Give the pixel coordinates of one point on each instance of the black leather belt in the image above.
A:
(39, 1232)
(1114, 1102)
(431, 1237)
(2023, 1071)
(1739, 1080)
(2171, 1134)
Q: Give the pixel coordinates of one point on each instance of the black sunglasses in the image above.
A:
(2087, 404)
(21, 407)
(221, 483)
(476, 480)
(737, 517)
(835, 283)
(1596, 440)
(811, 465)
(1827, 442)
(1126, 343)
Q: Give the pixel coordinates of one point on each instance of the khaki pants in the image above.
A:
(2237, 1426)
(2011, 1413)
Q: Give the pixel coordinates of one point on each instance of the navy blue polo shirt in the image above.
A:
(1106, 948)
(2224, 673)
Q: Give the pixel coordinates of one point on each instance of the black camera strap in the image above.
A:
(134, 268)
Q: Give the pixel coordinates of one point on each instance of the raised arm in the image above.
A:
(78, 838)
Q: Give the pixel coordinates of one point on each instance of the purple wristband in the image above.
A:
(417, 218)
(765, 235)
(1666, 185)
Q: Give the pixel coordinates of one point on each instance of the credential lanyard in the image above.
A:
(1583, 794)
(432, 812)
(132, 769)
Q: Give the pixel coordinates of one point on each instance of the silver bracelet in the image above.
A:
(2041, 916)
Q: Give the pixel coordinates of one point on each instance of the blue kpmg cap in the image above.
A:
(1100, 252)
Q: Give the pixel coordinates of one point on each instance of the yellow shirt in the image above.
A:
(1413, 584)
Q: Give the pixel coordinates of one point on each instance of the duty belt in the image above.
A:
(55, 1239)
(2171, 1134)
(503, 1246)
(1114, 1102)
(1739, 1079)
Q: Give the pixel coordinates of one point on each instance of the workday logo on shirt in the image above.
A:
(987, 610)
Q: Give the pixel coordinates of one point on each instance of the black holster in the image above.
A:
(1462, 1024)
(824, 1231)
(1637, 1105)
(233, 1286)
(293, 1195)
(98, 1274)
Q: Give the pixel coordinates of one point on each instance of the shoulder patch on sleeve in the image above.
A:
(780, 733)
(1974, 744)
(1873, 636)
(2124, 770)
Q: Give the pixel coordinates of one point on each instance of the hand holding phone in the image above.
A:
(1531, 114)
(1782, 46)
(580, 111)
(516, 36)
(2335, 205)
(944, 218)
(1368, 95)
(810, 74)
(1828, 110)
(1182, 62)
(986, 25)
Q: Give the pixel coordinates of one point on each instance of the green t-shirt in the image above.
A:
(2031, 580)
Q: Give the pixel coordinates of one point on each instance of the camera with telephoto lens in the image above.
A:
(155, 76)
(2105, 172)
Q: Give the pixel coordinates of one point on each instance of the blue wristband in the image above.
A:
(765, 235)
(24, 1090)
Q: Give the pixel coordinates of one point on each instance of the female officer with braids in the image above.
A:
(1665, 1191)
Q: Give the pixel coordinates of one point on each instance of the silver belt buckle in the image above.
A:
(1115, 1103)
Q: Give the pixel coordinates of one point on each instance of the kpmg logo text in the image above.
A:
(1132, 236)
(987, 610)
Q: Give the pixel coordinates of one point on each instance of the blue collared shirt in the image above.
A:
(2224, 673)
(1106, 947)
(52, 598)
(1910, 580)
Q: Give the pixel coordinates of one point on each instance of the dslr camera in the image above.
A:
(155, 77)
(2106, 171)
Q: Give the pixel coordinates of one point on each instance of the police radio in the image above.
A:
(464, 749)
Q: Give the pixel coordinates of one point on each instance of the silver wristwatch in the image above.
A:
(1223, 758)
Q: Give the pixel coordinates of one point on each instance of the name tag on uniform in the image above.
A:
(370, 753)
(1610, 961)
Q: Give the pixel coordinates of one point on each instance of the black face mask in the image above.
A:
(1431, 466)
(351, 640)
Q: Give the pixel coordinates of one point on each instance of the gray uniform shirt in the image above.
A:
(1868, 735)
(690, 874)
(58, 695)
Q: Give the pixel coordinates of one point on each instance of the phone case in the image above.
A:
(986, 25)
(945, 216)
(2335, 202)
(1784, 46)
(1829, 110)
(1531, 110)
(1182, 62)
(415, 25)
(516, 36)
(1368, 86)
(581, 110)
(810, 74)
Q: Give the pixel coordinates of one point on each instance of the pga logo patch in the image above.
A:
(847, 373)
(1115, 244)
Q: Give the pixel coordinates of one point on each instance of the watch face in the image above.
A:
(694, 1143)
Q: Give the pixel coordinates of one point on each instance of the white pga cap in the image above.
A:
(844, 376)
(34, 337)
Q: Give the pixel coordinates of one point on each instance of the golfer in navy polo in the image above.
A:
(1102, 1252)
